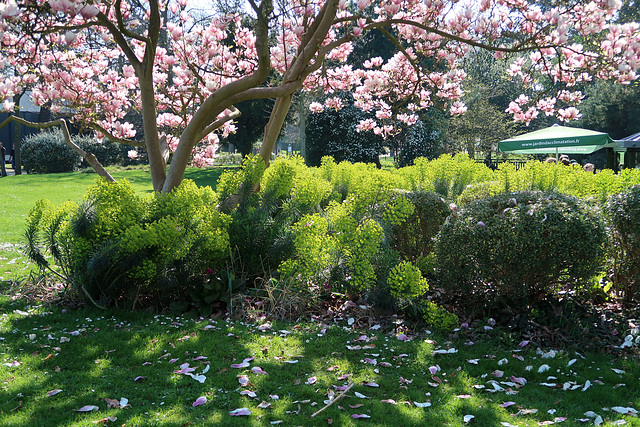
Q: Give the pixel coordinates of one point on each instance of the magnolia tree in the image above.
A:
(98, 61)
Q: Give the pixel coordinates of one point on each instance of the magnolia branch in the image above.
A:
(90, 158)
(233, 114)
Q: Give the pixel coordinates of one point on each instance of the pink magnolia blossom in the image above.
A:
(190, 83)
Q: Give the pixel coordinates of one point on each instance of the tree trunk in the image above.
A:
(273, 127)
(302, 125)
(17, 137)
(157, 163)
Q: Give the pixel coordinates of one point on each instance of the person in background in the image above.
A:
(3, 152)
(564, 159)
(589, 167)
(551, 160)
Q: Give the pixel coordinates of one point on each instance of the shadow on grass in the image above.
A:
(113, 348)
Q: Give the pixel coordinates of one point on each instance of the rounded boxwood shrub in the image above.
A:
(623, 214)
(516, 248)
(46, 152)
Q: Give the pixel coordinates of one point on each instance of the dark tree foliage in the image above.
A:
(611, 108)
(333, 133)
(370, 45)
(423, 139)
(255, 115)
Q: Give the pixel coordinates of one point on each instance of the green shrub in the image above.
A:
(516, 248)
(479, 190)
(414, 236)
(406, 281)
(117, 247)
(46, 152)
(447, 175)
(437, 317)
(623, 214)
(110, 153)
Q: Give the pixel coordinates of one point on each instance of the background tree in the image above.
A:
(250, 125)
(425, 138)
(68, 51)
(479, 130)
(333, 132)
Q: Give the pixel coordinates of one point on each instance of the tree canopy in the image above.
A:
(186, 72)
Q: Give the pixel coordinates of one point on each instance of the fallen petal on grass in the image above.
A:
(53, 392)
(87, 408)
(240, 412)
(199, 401)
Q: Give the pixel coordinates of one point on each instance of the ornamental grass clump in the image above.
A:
(517, 249)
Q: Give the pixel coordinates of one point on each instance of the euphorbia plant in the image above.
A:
(100, 60)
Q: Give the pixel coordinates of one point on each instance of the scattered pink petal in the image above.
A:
(360, 416)
(243, 380)
(520, 358)
(88, 408)
(507, 404)
(468, 418)
(74, 333)
(244, 364)
(370, 361)
(199, 401)
(312, 380)
(390, 401)
(173, 360)
(497, 373)
(274, 396)
(343, 377)
(371, 384)
(248, 393)
(469, 343)
(139, 377)
(385, 364)
(519, 380)
(359, 405)
(464, 396)
(53, 392)
(258, 370)
(240, 412)
(147, 363)
(403, 337)
(264, 405)
(341, 387)
(523, 343)
(199, 358)
(13, 364)
(209, 327)
(434, 369)
(184, 368)
(362, 338)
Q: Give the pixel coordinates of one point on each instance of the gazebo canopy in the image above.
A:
(556, 139)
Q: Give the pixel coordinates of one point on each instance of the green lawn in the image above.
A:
(88, 356)
(54, 361)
